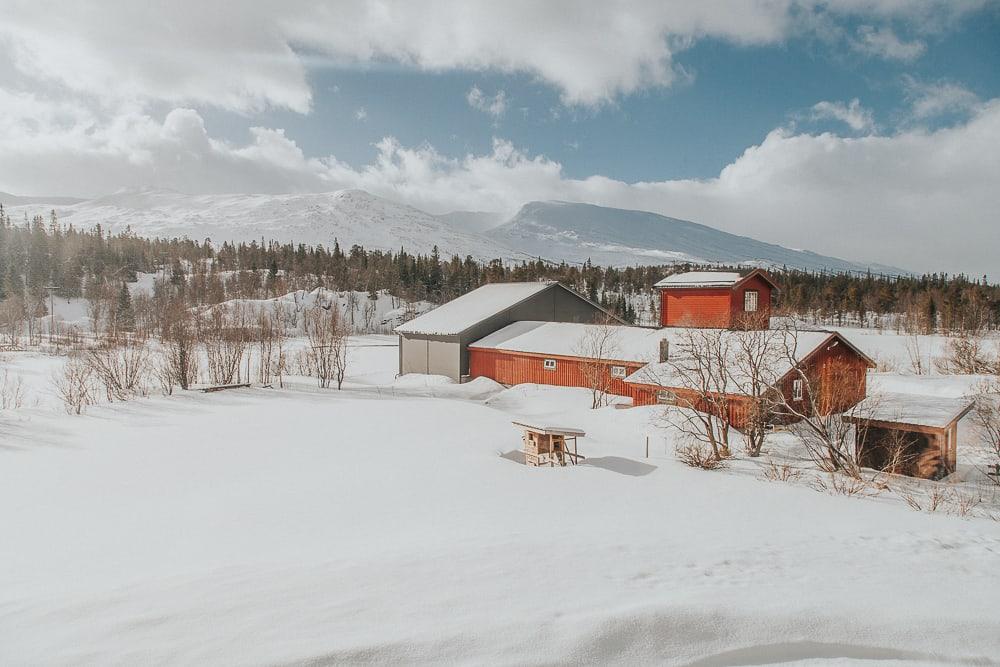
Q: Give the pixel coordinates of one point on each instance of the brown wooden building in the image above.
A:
(909, 434)
(716, 299)
(830, 363)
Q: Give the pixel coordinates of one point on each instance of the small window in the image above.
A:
(750, 298)
(618, 372)
(666, 397)
(549, 364)
(796, 390)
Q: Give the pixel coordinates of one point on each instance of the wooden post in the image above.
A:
(647, 446)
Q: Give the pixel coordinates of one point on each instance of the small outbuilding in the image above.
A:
(436, 343)
(716, 299)
(549, 445)
(908, 434)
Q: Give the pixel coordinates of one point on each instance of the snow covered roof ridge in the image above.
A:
(470, 309)
(693, 279)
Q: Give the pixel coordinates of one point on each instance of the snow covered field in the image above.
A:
(391, 522)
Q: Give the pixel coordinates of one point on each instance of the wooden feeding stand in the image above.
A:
(549, 444)
(909, 434)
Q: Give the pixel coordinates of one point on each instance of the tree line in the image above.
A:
(42, 255)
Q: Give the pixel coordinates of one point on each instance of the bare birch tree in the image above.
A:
(698, 367)
(327, 331)
(598, 346)
(754, 369)
(817, 407)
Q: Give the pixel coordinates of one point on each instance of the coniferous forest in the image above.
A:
(42, 255)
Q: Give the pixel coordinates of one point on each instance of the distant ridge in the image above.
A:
(614, 236)
(554, 231)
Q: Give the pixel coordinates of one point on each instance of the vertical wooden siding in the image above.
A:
(520, 367)
(712, 307)
(696, 307)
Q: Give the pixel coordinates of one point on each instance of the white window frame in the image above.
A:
(751, 305)
(619, 372)
(797, 389)
(666, 397)
(549, 364)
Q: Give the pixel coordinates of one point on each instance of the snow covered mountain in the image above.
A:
(612, 236)
(556, 231)
(350, 216)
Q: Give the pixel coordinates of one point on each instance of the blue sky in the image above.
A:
(857, 128)
(735, 96)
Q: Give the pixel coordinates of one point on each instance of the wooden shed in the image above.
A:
(909, 434)
(436, 343)
(716, 299)
(550, 445)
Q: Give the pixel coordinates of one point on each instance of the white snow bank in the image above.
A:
(268, 527)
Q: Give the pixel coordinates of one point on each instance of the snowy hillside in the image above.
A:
(351, 216)
(556, 231)
(612, 236)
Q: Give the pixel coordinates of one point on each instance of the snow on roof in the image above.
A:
(912, 409)
(701, 279)
(776, 365)
(569, 339)
(470, 309)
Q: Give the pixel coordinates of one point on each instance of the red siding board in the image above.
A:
(712, 307)
(512, 368)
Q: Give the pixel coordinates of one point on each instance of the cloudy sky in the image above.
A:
(868, 129)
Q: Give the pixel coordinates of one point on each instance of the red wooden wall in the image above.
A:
(718, 307)
(695, 307)
(520, 367)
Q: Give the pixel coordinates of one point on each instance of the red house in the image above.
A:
(716, 299)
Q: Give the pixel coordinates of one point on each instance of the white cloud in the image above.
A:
(252, 56)
(931, 100)
(494, 106)
(884, 43)
(852, 114)
(361, 114)
(835, 195)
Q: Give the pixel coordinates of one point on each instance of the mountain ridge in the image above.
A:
(554, 231)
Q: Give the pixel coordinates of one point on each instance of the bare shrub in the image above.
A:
(986, 417)
(11, 391)
(120, 367)
(698, 454)
(781, 473)
(327, 332)
(178, 333)
(840, 484)
(13, 315)
(966, 353)
(226, 334)
(74, 384)
(916, 352)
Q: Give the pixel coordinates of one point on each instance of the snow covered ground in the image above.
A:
(390, 522)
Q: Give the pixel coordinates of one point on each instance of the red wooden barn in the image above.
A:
(556, 353)
(638, 364)
(830, 363)
(716, 299)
